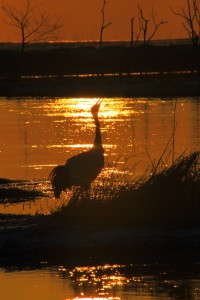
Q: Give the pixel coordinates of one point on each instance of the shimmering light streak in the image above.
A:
(106, 280)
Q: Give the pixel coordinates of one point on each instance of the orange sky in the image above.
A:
(82, 18)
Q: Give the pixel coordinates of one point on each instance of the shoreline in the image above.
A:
(168, 85)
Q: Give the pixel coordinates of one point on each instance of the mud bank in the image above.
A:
(23, 242)
(168, 85)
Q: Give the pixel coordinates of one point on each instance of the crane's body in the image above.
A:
(82, 169)
(85, 167)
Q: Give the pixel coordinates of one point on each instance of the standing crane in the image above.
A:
(82, 169)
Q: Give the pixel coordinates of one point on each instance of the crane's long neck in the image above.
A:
(97, 140)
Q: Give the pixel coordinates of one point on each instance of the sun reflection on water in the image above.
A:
(118, 282)
(103, 280)
(80, 108)
(46, 132)
(106, 282)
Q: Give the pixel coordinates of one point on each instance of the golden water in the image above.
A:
(106, 282)
(37, 134)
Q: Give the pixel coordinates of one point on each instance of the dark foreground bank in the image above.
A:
(158, 85)
(26, 245)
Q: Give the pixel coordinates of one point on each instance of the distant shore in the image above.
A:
(167, 85)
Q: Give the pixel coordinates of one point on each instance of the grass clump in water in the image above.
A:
(168, 196)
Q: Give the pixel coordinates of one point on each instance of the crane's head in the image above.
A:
(95, 109)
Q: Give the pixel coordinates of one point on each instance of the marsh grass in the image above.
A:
(162, 196)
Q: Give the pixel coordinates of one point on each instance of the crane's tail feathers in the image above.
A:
(59, 177)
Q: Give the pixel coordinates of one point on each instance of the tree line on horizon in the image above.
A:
(36, 25)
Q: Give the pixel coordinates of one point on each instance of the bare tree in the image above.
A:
(103, 25)
(144, 25)
(34, 25)
(134, 38)
(191, 19)
(132, 31)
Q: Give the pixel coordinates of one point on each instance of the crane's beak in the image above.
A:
(99, 101)
(95, 107)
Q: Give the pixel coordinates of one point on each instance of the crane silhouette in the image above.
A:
(82, 169)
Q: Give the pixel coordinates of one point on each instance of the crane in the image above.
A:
(82, 169)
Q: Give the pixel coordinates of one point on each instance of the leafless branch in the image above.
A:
(103, 26)
(33, 24)
(144, 23)
(132, 31)
(156, 25)
(191, 19)
(134, 41)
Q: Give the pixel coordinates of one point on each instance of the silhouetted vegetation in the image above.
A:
(86, 60)
(34, 25)
(11, 191)
(103, 25)
(168, 196)
(157, 72)
(190, 15)
(16, 195)
(144, 26)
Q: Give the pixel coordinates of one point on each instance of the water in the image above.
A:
(108, 282)
(37, 134)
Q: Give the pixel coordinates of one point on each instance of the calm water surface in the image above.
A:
(108, 282)
(38, 134)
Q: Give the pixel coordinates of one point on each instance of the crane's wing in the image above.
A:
(86, 166)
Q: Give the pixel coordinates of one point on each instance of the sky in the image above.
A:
(81, 19)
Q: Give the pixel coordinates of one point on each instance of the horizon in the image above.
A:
(97, 41)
